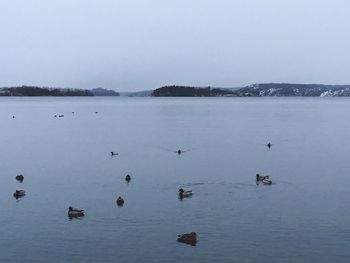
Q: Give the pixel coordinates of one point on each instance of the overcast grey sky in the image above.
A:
(143, 44)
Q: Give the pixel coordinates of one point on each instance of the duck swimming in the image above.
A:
(19, 193)
(75, 212)
(188, 238)
(179, 151)
(269, 145)
(267, 180)
(120, 201)
(260, 177)
(184, 194)
(113, 153)
(264, 179)
(128, 178)
(20, 178)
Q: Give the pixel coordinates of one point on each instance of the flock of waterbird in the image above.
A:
(188, 238)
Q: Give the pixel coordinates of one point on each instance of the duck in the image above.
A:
(183, 193)
(267, 180)
(19, 193)
(269, 145)
(179, 151)
(75, 212)
(188, 238)
(20, 178)
(260, 177)
(128, 178)
(120, 201)
(113, 153)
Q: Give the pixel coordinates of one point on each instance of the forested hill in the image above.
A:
(286, 89)
(104, 92)
(44, 91)
(257, 90)
(185, 91)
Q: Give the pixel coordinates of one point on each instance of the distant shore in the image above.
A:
(33, 91)
(257, 90)
(254, 90)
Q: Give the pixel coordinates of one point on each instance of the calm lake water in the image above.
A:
(303, 217)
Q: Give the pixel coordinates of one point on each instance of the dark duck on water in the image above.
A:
(188, 238)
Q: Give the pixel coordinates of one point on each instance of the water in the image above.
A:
(303, 216)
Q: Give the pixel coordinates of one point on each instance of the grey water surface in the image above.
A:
(303, 216)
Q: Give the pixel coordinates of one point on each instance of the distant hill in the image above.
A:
(254, 90)
(286, 89)
(42, 91)
(58, 92)
(143, 93)
(185, 91)
(257, 90)
(104, 92)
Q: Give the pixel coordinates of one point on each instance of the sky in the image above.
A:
(130, 45)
